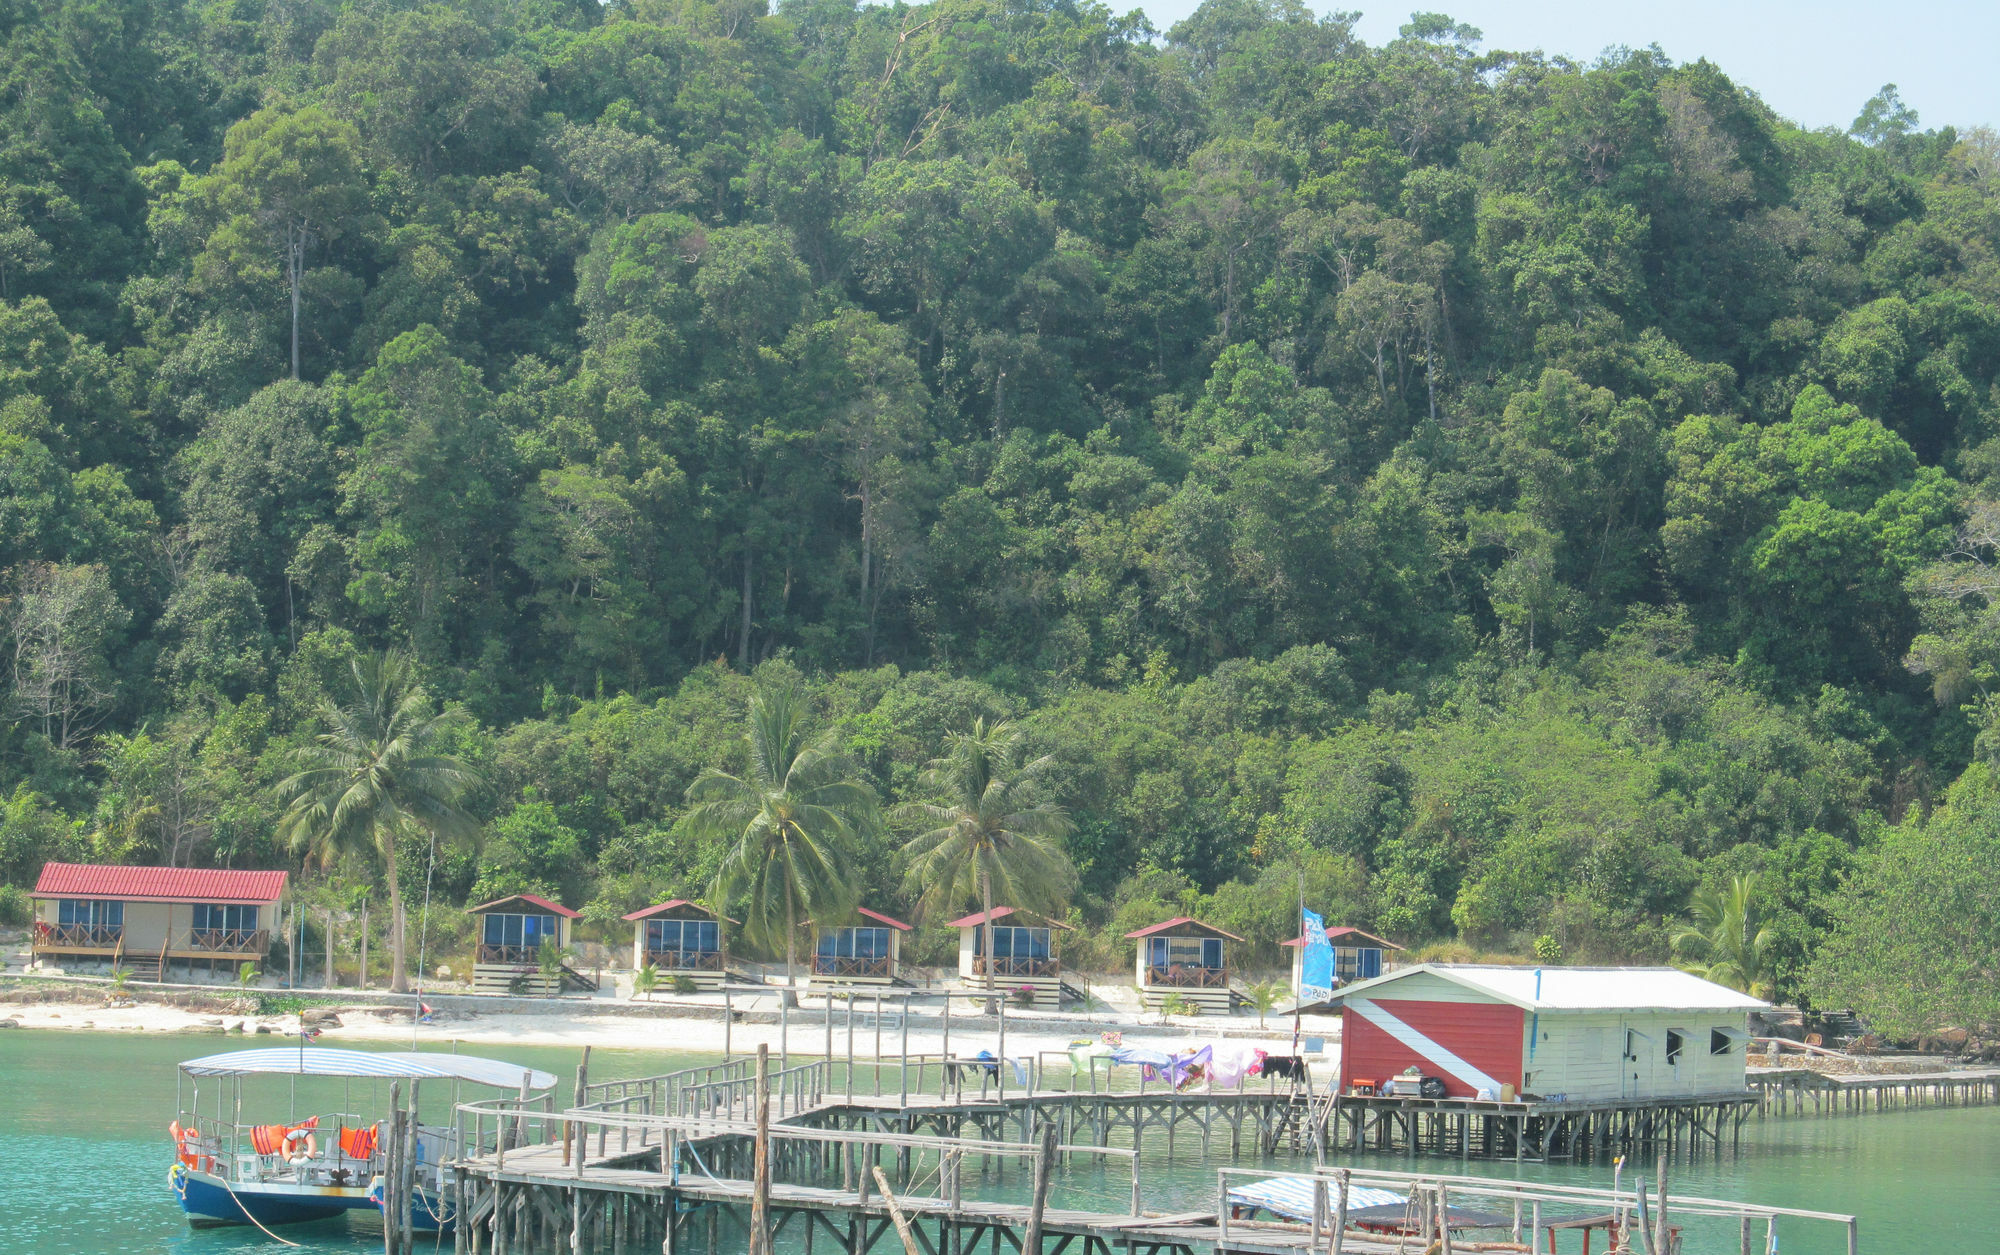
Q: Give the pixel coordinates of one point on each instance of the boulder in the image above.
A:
(10, 1023)
(320, 1017)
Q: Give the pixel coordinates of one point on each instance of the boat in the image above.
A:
(230, 1170)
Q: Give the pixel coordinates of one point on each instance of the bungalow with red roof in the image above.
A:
(679, 937)
(1024, 956)
(1186, 957)
(146, 919)
(865, 948)
(511, 933)
(1356, 955)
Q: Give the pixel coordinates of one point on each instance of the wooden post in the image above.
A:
(760, 1189)
(1340, 1211)
(1031, 1242)
(903, 1092)
(728, 1026)
(1660, 1214)
(582, 1085)
(848, 1088)
(1444, 1218)
(329, 948)
(785, 1028)
(1645, 1217)
(361, 979)
(406, 1208)
(1000, 1074)
(945, 1070)
(896, 1216)
(390, 1174)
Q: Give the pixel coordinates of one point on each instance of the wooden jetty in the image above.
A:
(679, 1161)
(1802, 1091)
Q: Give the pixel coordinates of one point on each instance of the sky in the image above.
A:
(1813, 61)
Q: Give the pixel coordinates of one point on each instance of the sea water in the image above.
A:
(84, 1156)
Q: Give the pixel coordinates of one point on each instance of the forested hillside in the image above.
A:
(1513, 492)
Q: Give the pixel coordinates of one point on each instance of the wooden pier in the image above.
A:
(672, 1163)
(1801, 1091)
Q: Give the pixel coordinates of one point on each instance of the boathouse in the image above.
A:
(1024, 948)
(147, 919)
(509, 957)
(1186, 957)
(1562, 1034)
(1356, 956)
(862, 949)
(679, 938)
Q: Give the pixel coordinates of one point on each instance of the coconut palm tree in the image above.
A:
(376, 777)
(1727, 942)
(986, 831)
(790, 822)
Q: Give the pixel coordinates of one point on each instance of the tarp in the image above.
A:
(1292, 1197)
(1315, 962)
(325, 1061)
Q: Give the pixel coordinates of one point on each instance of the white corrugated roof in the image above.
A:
(1579, 988)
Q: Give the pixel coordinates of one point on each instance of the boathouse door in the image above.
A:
(1635, 1072)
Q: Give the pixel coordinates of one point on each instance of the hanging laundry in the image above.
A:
(1232, 1062)
(1285, 1067)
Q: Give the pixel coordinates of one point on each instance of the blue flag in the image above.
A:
(1316, 962)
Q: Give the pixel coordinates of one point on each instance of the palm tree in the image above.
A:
(1727, 942)
(790, 822)
(986, 831)
(377, 776)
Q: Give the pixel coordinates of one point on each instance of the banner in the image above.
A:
(1315, 963)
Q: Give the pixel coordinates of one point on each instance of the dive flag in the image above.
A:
(1315, 962)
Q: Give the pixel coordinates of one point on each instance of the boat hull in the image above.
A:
(209, 1201)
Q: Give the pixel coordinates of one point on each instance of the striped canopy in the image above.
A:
(1292, 1197)
(325, 1061)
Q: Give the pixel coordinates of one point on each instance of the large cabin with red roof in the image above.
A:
(146, 920)
(1186, 957)
(511, 932)
(679, 938)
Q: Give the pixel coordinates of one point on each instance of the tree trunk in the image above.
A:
(295, 249)
(986, 931)
(743, 636)
(791, 947)
(399, 976)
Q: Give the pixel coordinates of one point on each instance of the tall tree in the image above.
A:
(790, 822)
(290, 181)
(985, 828)
(377, 775)
(1728, 942)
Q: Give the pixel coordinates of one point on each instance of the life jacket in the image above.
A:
(358, 1143)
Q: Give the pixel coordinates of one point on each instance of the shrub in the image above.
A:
(683, 983)
(16, 907)
(1179, 1004)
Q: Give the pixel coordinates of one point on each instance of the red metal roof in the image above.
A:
(157, 884)
(661, 908)
(530, 899)
(1343, 935)
(880, 918)
(1000, 912)
(1176, 922)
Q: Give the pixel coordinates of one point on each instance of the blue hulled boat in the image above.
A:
(227, 1171)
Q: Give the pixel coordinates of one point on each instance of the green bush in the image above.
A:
(683, 983)
(15, 905)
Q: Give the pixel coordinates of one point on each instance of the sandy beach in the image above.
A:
(687, 1024)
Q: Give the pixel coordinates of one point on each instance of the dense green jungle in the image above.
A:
(1521, 502)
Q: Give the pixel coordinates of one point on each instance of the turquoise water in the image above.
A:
(84, 1156)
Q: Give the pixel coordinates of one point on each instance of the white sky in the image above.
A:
(1813, 62)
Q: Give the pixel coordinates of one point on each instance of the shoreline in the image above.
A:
(692, 1024)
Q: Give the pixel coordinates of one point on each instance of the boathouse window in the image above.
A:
(71, 912)
(1675, 1041)
(696, 935)
(1009, 943)
(218, 918)
(870, 943)
(1718, 1042)
(519, 930)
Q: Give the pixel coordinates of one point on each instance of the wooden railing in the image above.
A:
(1180, 976)
(231, 941)
(685, 960)
(79, 936)
(837, 965)
(1017, 967)
(519, 956)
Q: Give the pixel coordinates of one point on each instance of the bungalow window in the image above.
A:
(71, 912)
(519, 930)
(1011, 943)
(861, 943)
(698, 936)
(1351, 964)
(1675, 1042)
(219, 918)
(1204, 952)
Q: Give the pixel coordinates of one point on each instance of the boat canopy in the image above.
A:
(1292, 1197)
(326, 1061)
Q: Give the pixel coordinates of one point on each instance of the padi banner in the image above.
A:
(1316, 965)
